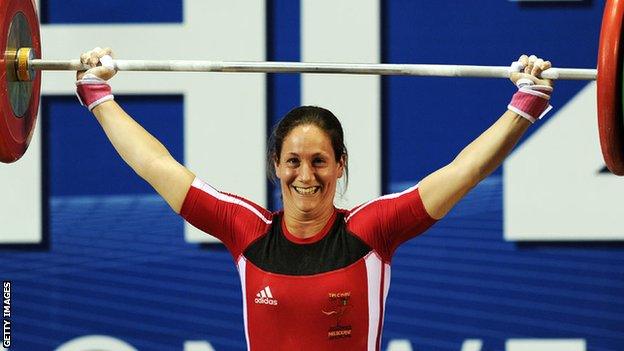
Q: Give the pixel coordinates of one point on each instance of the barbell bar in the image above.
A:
(421, 70)
(21, 83)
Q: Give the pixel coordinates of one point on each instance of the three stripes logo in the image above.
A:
(265, 297)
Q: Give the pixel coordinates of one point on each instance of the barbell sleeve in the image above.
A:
(308, 67)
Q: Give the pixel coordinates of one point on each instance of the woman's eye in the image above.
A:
(292, 161)
(319, 161)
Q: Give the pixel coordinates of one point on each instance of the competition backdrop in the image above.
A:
(112, 266)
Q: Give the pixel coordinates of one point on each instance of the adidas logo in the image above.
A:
(265, 297)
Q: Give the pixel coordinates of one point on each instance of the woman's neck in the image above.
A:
(306, 225)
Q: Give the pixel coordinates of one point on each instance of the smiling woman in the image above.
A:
(308, 156)
(314, 277)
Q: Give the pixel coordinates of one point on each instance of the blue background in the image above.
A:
(114, 11)
(116, 262)
(81, 160)
(434, 118)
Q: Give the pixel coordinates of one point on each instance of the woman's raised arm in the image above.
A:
(442, 189)
(137, 147)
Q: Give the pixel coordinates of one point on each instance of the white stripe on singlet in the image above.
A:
(242, 265)
(373, 277)
(205, 187)
(385, 197)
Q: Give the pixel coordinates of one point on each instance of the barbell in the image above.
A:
(20, 80)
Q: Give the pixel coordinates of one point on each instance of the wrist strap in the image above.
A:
(92, 91)
(531, 101)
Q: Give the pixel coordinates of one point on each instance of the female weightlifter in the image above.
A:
(314, 277)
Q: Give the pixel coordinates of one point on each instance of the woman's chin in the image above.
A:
(306, 206)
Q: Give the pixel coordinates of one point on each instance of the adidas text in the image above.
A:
(265, 301)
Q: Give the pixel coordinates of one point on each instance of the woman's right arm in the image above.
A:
(145, 154)
(138, 148)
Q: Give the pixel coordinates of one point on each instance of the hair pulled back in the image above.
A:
(307, 115)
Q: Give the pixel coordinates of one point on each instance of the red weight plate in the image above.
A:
(19, 101)
(610, 57)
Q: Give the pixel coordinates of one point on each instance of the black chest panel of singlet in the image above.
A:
(274, 253)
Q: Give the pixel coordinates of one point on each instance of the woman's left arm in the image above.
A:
(442, 189)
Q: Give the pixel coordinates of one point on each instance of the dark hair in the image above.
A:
(307, 115)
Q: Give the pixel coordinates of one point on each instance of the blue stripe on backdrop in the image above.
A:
(429, 120)
(111, 11)
(283, 90)
(81, 159)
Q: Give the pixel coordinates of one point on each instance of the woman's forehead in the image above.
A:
(306, 138)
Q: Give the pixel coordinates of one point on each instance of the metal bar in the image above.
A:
(305, 67)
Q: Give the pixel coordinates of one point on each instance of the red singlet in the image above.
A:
(326, 292)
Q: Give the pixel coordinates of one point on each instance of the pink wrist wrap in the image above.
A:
(92, 91)
(531, 101)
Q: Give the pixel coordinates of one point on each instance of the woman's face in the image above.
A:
(308, 171)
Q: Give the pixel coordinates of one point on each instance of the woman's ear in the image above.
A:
(341, 165)
(276, 167)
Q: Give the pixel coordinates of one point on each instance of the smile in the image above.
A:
(307, 191)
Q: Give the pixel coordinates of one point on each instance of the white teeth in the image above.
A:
(307, 191)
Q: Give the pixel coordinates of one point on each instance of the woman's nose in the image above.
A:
(306, 173)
